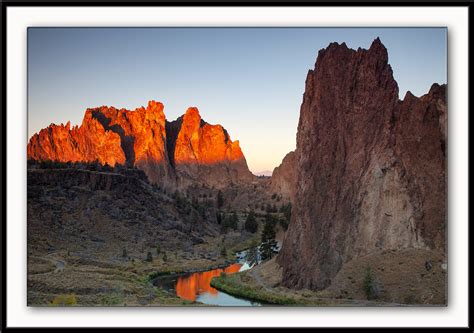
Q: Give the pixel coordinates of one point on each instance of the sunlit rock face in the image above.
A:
(205, 152)
(87, 143)
(181, 153)
(143, 137)
(370, 169)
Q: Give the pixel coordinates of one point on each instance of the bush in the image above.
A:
(64, 300)
(370, 285)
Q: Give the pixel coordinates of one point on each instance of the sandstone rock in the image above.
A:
(370, 169)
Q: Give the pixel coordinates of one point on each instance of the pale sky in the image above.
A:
(250, 80)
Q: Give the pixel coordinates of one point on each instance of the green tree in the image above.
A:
(158, 249)
(223, 251)
(269, 244)
(220, 199)
(165, 257)
(286, 210)
(269, 208)
(252, 256)
(251, 224)
(149, 257)
(370, 285)
(234, 221)
(230, 222)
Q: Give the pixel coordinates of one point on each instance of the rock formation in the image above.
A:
(205, 152)
(370, 169)
(87, 143)
(284, 176)
(181, 152)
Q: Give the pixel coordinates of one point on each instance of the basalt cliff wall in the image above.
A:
(284, 177)
(370, 169)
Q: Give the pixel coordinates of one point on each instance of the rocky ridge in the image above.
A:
(177, 153)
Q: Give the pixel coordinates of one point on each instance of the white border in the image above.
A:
(19, 18)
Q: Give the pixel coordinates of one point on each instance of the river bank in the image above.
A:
(263, 282)
(103, 278)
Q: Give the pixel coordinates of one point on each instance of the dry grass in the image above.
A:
(402, 276)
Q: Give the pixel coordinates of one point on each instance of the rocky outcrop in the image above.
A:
(142, 137)
(370, 169)
(205, 152)
(181, 152)
(284, 176)
(87, 143)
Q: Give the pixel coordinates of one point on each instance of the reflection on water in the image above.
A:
(189, 287)
(197, 287)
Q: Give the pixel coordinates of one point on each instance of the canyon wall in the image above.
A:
(175, 154)
(370, 169)
(284, 177)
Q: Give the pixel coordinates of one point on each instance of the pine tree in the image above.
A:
(149, 257)
(251, 224)
(223, 251)
(252, 255)
(269, 244)
(234, 221)
(220, 199)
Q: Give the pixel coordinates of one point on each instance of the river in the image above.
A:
(197, 286)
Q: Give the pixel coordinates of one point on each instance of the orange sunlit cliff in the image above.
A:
(178, 152)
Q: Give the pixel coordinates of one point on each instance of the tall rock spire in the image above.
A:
(370, 169)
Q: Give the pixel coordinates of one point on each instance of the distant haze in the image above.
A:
(250, 80)
(266, 173)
